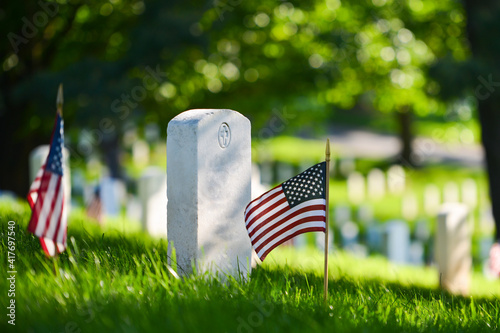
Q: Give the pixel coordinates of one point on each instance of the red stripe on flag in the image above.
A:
(44, 183)
(302, 231)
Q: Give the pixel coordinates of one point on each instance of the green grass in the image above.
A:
(109, 281)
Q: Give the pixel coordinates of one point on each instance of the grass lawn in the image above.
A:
(110, 281)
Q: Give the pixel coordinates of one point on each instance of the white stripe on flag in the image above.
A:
(47, 203)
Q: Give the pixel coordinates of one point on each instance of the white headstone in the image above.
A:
(134, 209)
(450, 192)
(320, 240)
(453, 248)
(356, 187)
(209, 177)
(38, 156)
(376, 183)
(396, 179)
(300, 241)
(416, 253)
(342, 214)
(432, 199)
(397, 241)
(140, 153)
(422, 230)
(113, 195)
(374, 237)
(365, 214)
(469, 193)
(409, 206)
(486, 221)
(349, 234)
(152, 192)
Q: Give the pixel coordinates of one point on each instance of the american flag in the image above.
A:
(291, 208)
(46, 197)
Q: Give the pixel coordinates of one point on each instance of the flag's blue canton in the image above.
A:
(308, 185)
(54, 160)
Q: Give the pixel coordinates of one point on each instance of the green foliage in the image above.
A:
(123, 282)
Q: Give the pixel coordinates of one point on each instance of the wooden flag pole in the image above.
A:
(60, 100)
(59, 103)
(327, 198)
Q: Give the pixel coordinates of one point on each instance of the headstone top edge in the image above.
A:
(196, 115)
(448, 207)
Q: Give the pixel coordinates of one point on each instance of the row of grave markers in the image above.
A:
(209, 174)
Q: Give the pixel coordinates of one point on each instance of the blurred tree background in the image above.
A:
(313, 63)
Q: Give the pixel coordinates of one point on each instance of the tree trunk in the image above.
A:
(482, 19)
(404, 119)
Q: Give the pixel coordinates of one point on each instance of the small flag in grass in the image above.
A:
(46, 195)
(294, 207)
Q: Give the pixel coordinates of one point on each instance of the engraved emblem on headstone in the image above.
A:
(224, 135)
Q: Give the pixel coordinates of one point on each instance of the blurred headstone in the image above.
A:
(140, 153)
(365, 214)
(450, 192)
(134, 209)
(209, 185)
(422, 231)
(396, 241)
(485, 244)
(113, 193)
(356, 187)
(453, 248)
(342, 215)
(78, 182)
(38, 156)
(320, 240)
(152, 132)
(376, 184)
(486, 221)
(409, 207)
(396, 179)
(349, 233)
(300, 241)
(416, 253)
(374, 237)
(432, 199)
(469, 193)
(152, 193)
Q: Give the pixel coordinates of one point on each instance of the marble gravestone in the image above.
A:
(38, 156)
(152, 192)
(209, 176)
(453, 248)
(376, 183)
(396, 241)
